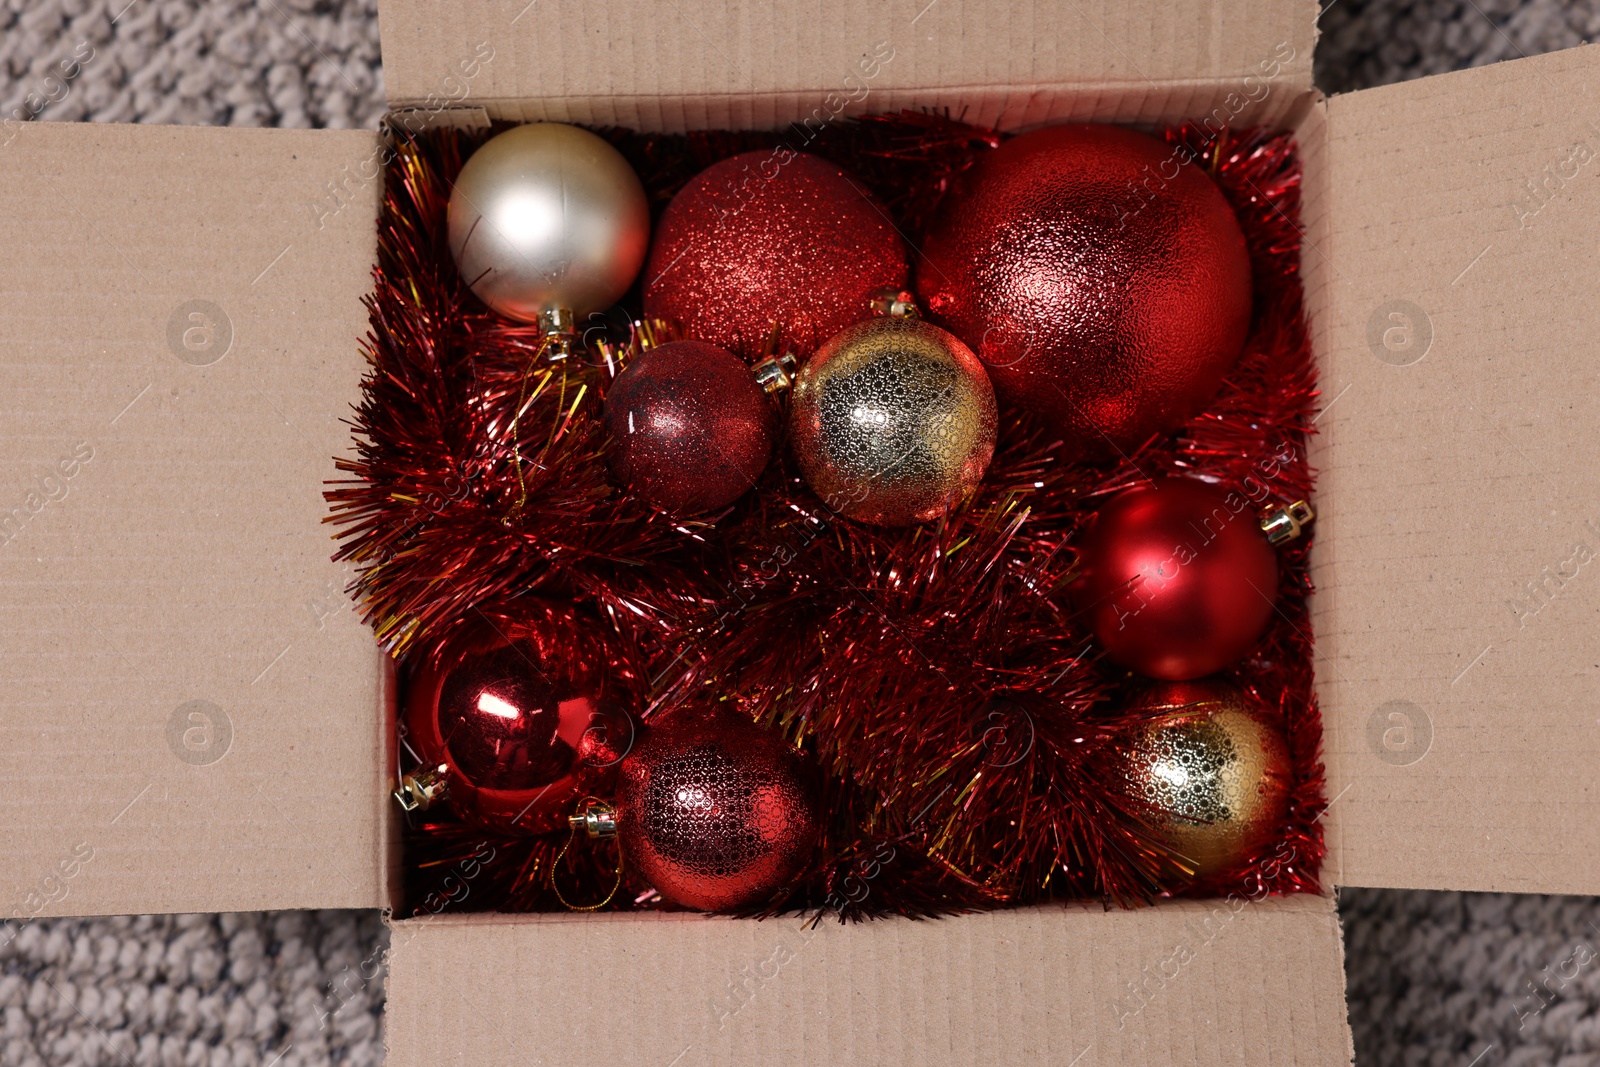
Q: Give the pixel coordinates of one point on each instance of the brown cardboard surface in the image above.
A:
(707, 64)
(1458, 543)
(1235, 983)
(192, 712)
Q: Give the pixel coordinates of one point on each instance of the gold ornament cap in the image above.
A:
(422, 789)
(1284, 524)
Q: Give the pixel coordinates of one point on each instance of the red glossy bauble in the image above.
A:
(771, 237)
(691, 429)
(1101, 277)
(1177, 580)
(527, 713)
(716, 812)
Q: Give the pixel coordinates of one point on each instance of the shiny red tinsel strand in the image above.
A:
(936, 676)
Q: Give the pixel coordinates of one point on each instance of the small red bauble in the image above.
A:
(524, 713)
(1099, 274)
(716, 812)
(771, 238)
(691, 429)
(1177, 579)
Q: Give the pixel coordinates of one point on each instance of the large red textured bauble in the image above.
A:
(1101, 277)
(691, 430)
(771, 237)
(716, 812)
(526, 712)
(1176, 578)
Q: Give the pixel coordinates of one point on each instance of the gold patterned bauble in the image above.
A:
(893, 421)
(1213, 770)
(548, 223)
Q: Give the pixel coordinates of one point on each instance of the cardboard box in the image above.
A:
(195, 720)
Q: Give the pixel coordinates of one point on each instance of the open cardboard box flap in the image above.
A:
(192, 705)
(189, 700)
(1451, 281)
(721, 64)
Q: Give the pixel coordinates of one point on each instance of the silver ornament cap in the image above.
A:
(547, 219)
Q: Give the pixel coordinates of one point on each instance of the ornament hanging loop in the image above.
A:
(599, 819)
(1283, 524)
(895, 304)
(422, 789)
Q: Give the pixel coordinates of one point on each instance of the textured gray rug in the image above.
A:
(1436, 979)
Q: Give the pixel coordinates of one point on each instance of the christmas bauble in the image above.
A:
(526, 713)
(1176, 578)
(714, 811)
(1099, 274)
(691, 430)
(771, 238)
(1212, 771)
(547, 220)
(892, 421)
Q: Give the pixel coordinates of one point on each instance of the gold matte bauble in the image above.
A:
(1212, 770)
(546, 219)
(893, 421)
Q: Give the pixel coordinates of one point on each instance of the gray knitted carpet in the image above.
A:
(1442, 979)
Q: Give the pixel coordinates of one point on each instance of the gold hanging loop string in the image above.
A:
(600, 820)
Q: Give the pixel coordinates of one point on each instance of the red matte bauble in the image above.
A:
(1176, 578)
(691, 430)
(527, 713)
(1099, 274)
(768, 238)
(714, 811)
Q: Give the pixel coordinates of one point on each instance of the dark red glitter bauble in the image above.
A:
(1177, 580)
(1099, 274)
(714, 811)
(771, 237)
(691, 429)
(527, 713)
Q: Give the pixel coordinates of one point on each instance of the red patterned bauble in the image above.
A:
(1099, 274)
(716, 812)
(1211, 771)
(1177, 579)
(691, 429)
(771, 238)
(526, 712)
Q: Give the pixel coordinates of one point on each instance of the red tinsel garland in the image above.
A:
(959, 713)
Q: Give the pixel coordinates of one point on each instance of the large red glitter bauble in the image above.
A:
(1100, 275)
(771, 238)
(1177, 580)
(716, 812)
(527, 713)
(691, 429)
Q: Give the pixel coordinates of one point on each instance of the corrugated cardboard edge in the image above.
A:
(1131, 103)
(1193, 982)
